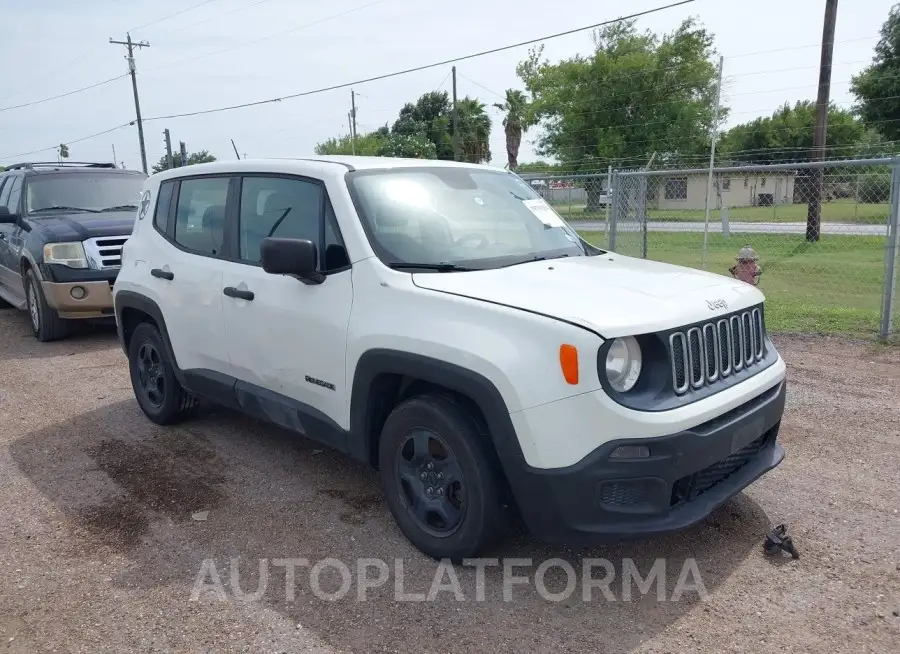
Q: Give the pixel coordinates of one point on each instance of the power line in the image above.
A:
(177, 13)
(78, 140)
(62, 95)
(423, 67)
(269, 36)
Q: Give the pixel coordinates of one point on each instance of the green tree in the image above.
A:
(366, 145)
(63, 151)
(636, 94)
(474, 131)
(788, 134)
(203, 156)
(411, 146)
(877, 87)
(430, 115)
(515, 123)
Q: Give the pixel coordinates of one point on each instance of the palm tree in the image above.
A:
(474, 131)
(516, 122)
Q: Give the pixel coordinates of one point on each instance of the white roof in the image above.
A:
(299, 164)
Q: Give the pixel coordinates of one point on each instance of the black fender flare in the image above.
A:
(131, 300)
(473, 385)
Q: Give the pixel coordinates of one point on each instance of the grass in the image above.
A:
(833, 286)
(839, 211)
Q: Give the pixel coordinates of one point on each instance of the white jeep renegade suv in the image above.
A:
(443, 324)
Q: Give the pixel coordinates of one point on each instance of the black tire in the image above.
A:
(157, 390)
(427, 519)
(46, 325)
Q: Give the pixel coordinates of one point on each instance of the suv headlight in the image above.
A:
(66, 254)
(623, 363)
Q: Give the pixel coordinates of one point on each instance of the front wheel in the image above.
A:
(157, 390)
(46, 325)
(441, 484)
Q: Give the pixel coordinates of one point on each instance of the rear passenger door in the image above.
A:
(184, 271)
(287, 340)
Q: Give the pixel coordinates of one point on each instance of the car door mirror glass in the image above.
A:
(290, 256)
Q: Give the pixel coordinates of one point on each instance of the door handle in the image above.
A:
(231, 291)
(163, 274)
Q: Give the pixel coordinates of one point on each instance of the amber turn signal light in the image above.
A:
(568, 361)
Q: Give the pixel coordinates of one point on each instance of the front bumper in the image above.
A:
(687, 476)
(96, 299)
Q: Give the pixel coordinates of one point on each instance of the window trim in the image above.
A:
(173, 212)
(233, 217)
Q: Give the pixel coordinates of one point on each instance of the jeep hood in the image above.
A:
(609, 293)
(80, 226)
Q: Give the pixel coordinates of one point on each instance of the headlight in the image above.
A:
(623, 363)
(66, 254)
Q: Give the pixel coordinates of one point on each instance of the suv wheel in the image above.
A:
(156, 388)
(45, 322)
(442, 487)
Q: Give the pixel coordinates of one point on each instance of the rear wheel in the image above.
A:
(46, 325)
(441, 485)
(157, 390)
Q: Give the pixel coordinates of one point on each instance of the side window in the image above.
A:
(163, 199)
(279, 207)
(200, 215)
(15, 194)
(335, 252)
(6, 185)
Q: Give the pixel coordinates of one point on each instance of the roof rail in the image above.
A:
(56, 164)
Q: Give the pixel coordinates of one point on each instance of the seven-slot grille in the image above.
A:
(105, 252)
(714, 350)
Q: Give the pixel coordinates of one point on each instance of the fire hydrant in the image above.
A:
(746, 268)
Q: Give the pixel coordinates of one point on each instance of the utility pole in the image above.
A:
(169, 161)
(713, 137)
(814, 214)
(353, 116)
(352, 138)
(115, 161)
(455, 121)
(235, 150)
(131, 45)
(183, 149)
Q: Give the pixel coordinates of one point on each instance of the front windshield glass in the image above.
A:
(88, 192)
(447, 218)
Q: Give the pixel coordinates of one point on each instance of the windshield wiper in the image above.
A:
(121, 207)
(439, 267)
(61, 208)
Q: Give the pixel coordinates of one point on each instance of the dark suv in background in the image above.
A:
(62, 227)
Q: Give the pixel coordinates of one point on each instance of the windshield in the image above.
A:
(89, 192)
(447, 219)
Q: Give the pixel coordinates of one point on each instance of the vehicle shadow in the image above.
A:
(17, 341)
(133, 488)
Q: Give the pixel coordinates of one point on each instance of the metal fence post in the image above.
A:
(615, 201)
(890, 258)
(642, 213)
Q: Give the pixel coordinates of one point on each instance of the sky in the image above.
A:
(227, 52)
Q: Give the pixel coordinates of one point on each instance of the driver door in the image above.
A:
(11, 238)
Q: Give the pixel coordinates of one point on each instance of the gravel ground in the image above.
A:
(103, 537)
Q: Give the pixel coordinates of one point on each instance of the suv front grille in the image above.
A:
(104, 252)
(707, 353)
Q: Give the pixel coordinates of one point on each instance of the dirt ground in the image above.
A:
(102, 533)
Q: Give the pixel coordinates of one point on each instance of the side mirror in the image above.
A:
(6, 217)
(291, 256)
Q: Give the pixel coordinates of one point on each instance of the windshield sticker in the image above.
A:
(544, 212)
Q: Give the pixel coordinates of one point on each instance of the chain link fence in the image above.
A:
(829, 265)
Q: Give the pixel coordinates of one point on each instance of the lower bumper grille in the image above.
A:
(689, 487)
